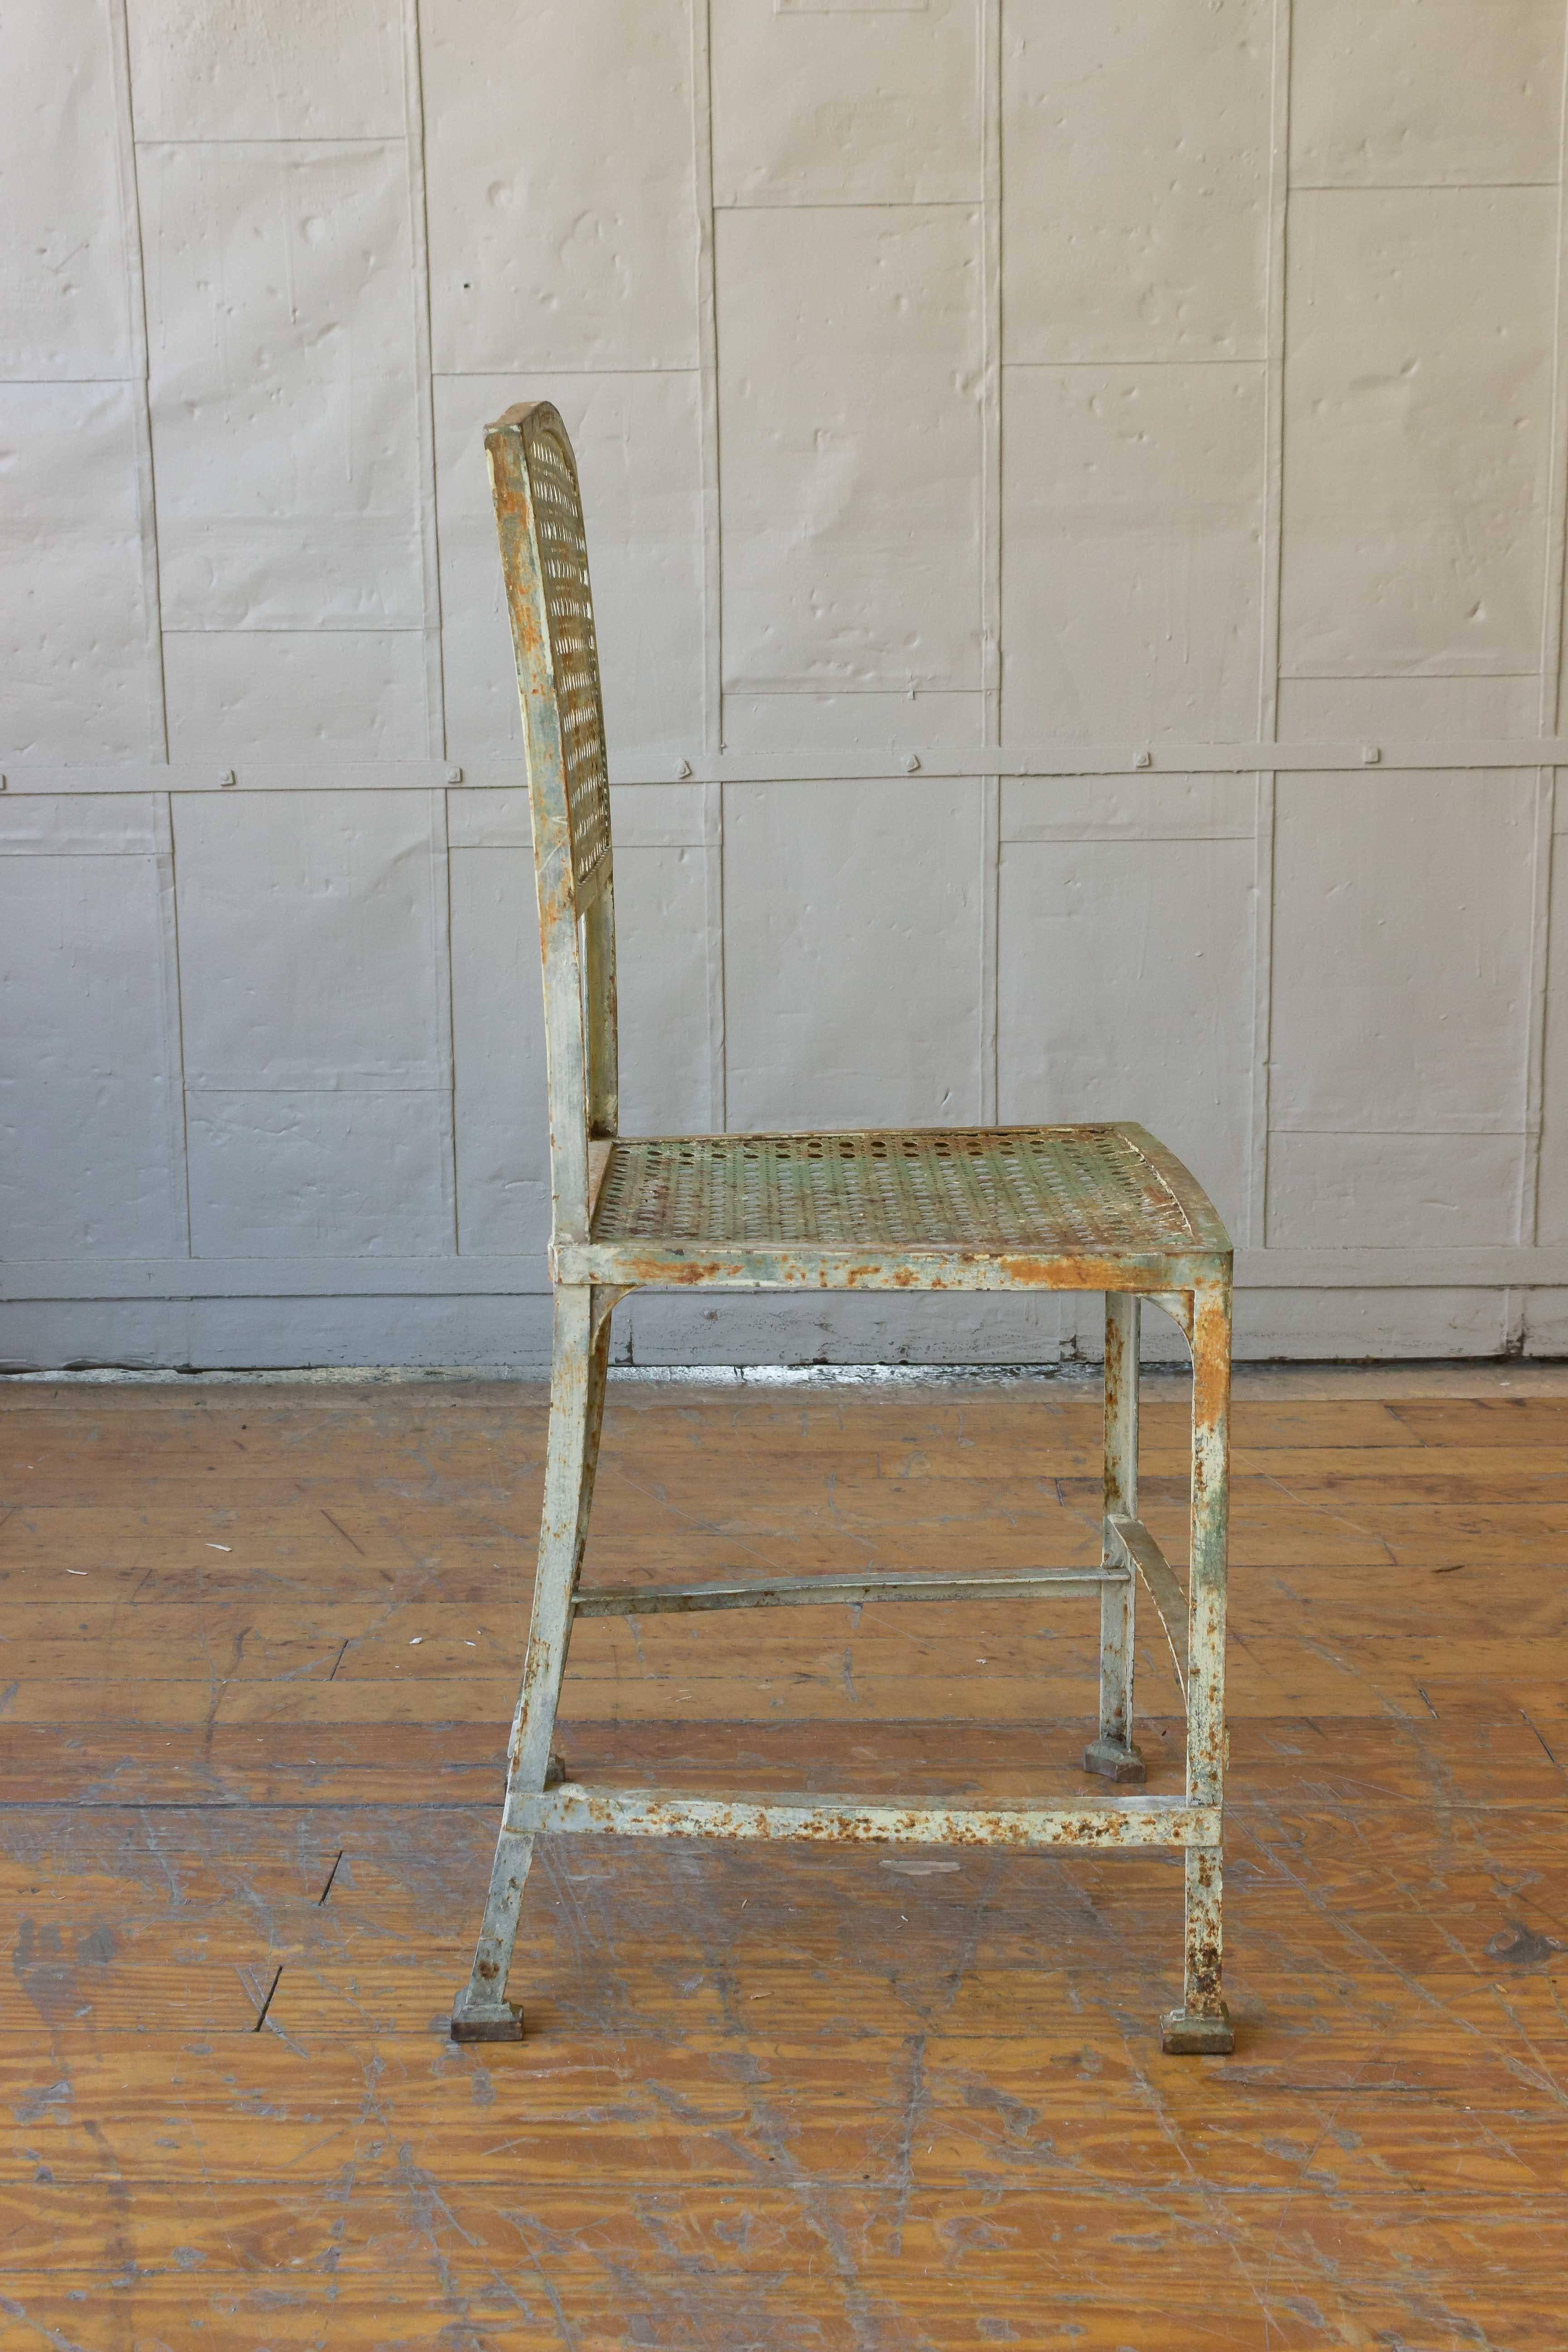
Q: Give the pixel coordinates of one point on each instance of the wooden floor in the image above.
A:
(264, 1643)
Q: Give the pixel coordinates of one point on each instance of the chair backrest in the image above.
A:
(544, 559)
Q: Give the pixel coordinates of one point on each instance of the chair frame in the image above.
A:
(543, 555)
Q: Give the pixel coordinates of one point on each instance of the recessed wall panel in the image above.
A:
(1419, 92)
(1132, 542)
(266, 69)
(1135, 178)
(301, 1175)
(77, 679)
(1125, 991)
(1418, 423)
(285, 425)
(838, 106)
(892, 723)
(502, 1109)
(560, 183)
(849, 425)
(88, 1056)
(65, 293)
(639, 448)
(661, 961)
(1388, 711)
(1402, 941)
(1393, 1192)
(852, 945)
(312, 940)
(233, 693)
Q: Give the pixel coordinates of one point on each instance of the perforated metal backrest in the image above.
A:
(544, 559)
(532, 441)
(569, 609)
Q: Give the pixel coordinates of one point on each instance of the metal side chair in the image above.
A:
(1100, 1208)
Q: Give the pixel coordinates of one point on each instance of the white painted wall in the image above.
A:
(1150, 416)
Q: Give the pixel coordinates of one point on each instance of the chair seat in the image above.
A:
(890, 1207)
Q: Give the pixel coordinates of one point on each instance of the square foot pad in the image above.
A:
(1114, 1762)
(502, 2023)
(1182, 2036)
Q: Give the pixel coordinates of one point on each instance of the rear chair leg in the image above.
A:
(482, 2012)
(1201, 2027)
(1113, 1754)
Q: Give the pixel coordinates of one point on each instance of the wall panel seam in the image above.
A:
(419, 256)
(173, 958)
(1272, 567)
(1262, 1011)
(712, 556)
(136, 302)
(1533, 1074)
(989, 34)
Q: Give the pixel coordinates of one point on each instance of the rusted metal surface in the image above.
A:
(1206, 1737)
(1114, 1753)
(1097, 1207)
(840, 1820)
(819, 1591)
(840, 1266)
(1129, 1540)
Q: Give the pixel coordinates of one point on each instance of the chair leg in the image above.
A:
(1113, 1754)
(1202, 2025)
(482, 2012)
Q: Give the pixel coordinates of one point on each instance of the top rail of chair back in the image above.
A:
(544, 559)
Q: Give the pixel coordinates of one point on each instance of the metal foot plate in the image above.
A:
(501, 2022)
(1115, 1761)
(1182, 2036)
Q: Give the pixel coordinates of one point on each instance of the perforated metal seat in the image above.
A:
(1096, 1207)
(1044, 1191)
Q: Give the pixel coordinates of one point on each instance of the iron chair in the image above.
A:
(1102, 1208)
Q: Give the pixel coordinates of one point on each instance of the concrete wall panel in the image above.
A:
(1128, 808)
(851, 427)
(1133, 527)
(267, 68)
(559, 155)
(88, 1052)
(1393, 1192)
(662, 963)
(1378, 710)
(232, 692)
(1136, 143)
(1402, 938)
(852, 982)
(313, 942)
(284, 428)
(1417, 430)
(1125, 991)
(300, 1175)
(871, 106)
(638, 440)
(1424, 92)
(66, 309)
(76, 674)
(498, 1049)
(889, 723)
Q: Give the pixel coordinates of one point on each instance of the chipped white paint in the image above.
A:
(883, 333)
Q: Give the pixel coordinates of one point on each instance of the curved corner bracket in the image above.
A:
(1178, 1306)
(605, 1300)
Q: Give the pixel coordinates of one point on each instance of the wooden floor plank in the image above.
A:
(263, 1649)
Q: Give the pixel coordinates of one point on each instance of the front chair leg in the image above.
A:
(1114, 1754)
(1200, 2026)
(482, 2012)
